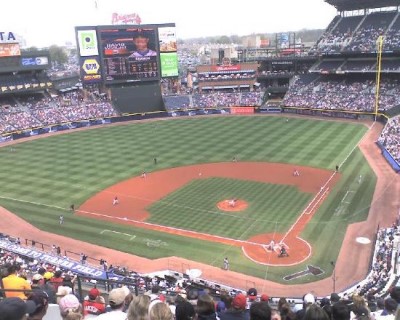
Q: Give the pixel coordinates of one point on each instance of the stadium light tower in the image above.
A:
(379, 44)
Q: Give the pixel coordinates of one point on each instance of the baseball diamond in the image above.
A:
(177, 208)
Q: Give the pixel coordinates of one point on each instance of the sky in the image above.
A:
(46, 22)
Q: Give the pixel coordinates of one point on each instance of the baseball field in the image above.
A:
(192, 166)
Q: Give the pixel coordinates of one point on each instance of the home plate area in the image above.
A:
(281, 248)
(264, 250)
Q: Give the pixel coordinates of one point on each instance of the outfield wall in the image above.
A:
(389, 158)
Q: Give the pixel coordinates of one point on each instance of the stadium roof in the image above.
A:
(349, 5)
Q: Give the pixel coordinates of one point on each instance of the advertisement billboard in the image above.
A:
(129, 53)
(34, 61)
(87, 43)
(168, 51)
(90, 70)
(169, 64)
(9, 50)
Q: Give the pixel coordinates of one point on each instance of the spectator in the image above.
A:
(116, 300)
(286, 312)
(184, 309)
(237, 310)
(340, 311)
(48, 287)
(160, 311)
(308, 300)
(70, 308)
(15, 308)
(205, 308)
(14, 282)
(358, 307)
(94, 304)
(41, 301)
(389, 310)
(57, 280)
(315, 312)
(260, 311)
(275, 315)
(139, 308)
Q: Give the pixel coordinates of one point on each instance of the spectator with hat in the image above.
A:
(238, 309)
(70, 307)
(308, 300)
(62, 291)
(93, 304)
(48, 287)
(41, 301)
(252, 295)
(37, 282)
(15, 308)
(116, 300)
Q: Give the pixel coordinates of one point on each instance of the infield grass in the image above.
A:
(41, 178)
(183, 207)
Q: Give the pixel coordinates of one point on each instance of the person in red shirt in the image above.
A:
(57, 280)
(94, 304)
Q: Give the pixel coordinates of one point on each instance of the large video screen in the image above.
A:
(9, 50)
(129, 54)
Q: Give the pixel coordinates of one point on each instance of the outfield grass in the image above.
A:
(43, 177)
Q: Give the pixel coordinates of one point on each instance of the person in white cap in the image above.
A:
(116, 300)
(308, 300)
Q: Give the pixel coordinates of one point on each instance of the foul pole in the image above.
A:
(379, 43)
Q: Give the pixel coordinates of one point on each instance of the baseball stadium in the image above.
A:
(275, 172)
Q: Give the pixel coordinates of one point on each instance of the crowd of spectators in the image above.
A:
(39, 111)
(390, 137)
(226, 75)
(360, 33)
(45, 288)
(330, 93)
(212, 100)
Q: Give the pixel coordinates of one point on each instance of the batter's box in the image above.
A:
(275, 247)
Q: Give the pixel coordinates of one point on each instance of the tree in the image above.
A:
(31, 49)
(235, 39)
(58, 54)
(224, 40)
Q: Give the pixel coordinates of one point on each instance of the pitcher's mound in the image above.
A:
(232, 205)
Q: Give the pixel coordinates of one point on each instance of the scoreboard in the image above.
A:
(127, 53)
